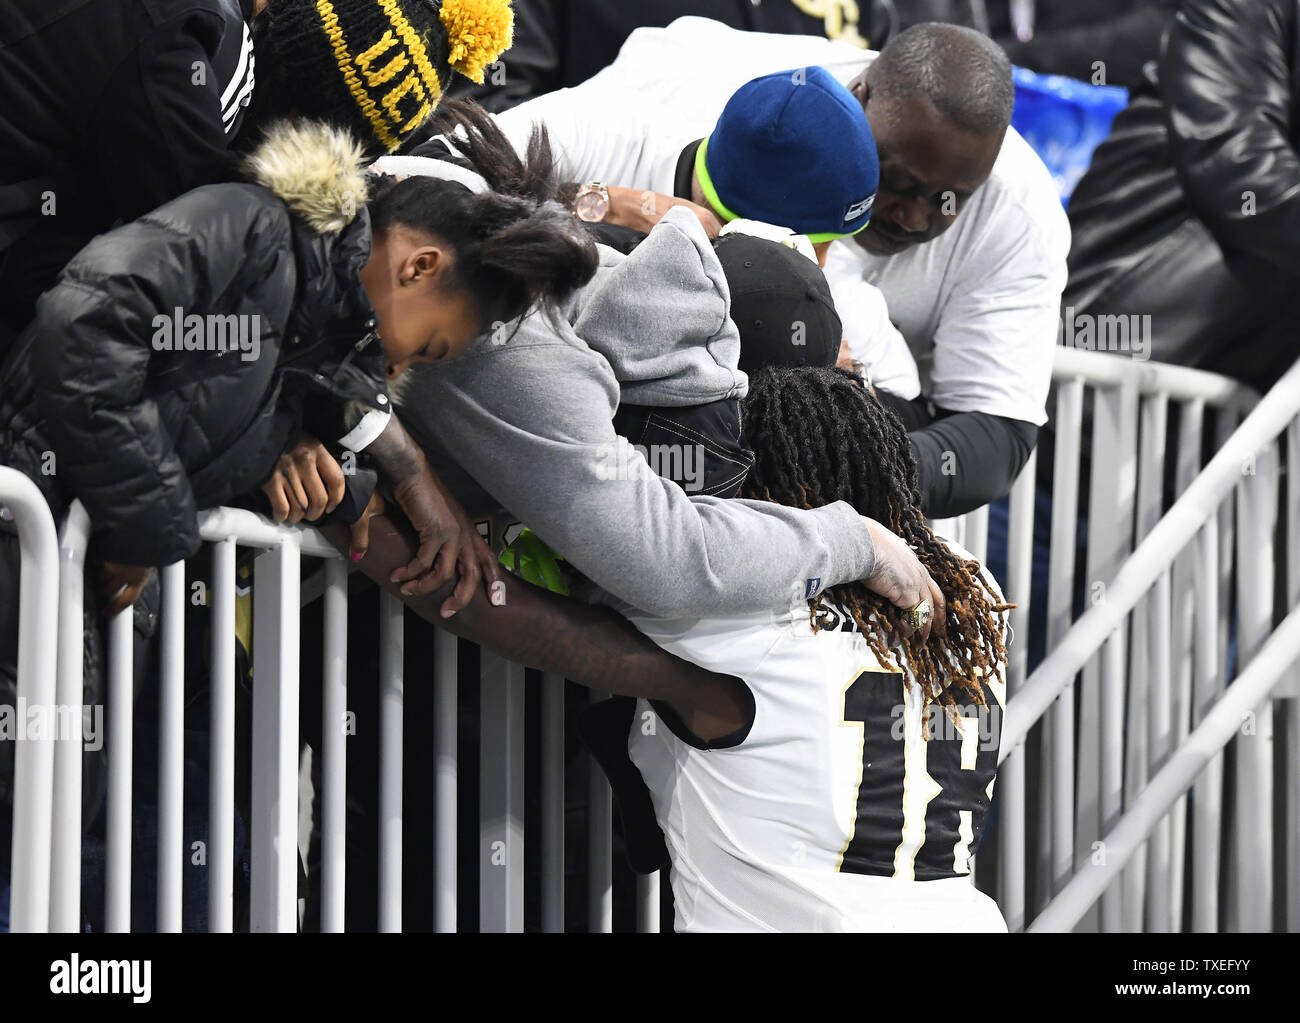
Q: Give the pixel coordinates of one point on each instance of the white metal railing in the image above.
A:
(275, 749)
(1131, 460)
(1185, 625)
(1083, 785)
(29, 906)
(1093, 752)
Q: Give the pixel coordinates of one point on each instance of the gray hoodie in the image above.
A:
(530, 417)
(661, 318)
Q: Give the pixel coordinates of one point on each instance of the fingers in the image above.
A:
(360, 539)
(335, 482)
(494, 574)
(470, 574)
(431, 548)
(318, 497)
(926, 589)
(940, 605)
(297, 493)
(277, 493)
(420, 564)
(121, 586)
(901, 579)
(125, 598)
(443, 562)
(118, 602)
(712, 225)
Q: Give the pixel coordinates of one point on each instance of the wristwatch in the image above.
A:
(592, 202)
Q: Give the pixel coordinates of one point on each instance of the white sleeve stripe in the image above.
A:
(238, 105)
(245, 52)
(372, 424)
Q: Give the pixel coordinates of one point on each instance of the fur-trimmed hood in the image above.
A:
(316, 169)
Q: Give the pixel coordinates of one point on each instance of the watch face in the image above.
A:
(591, 206)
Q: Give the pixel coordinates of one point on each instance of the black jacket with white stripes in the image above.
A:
(110, 109)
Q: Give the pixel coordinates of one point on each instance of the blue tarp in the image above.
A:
(1064, 120)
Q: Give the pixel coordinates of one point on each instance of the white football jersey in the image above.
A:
(835, 812)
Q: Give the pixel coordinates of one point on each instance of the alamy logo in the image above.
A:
(624, 460)
(212, 333)
(40, 722)
(131, 977)
(1090, 332)
(859, 208)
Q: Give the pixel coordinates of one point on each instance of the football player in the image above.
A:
(825, 767)
(854, 787)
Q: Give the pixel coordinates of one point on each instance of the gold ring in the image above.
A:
(918, 617)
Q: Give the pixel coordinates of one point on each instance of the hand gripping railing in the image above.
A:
(1246, 462)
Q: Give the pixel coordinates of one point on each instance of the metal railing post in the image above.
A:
(600, 837)
(392, 695)
(120, 713)
(65, 875)
(274, 827)
(501, 796)
(171, 752)
(1250, 900)
(552, 728)
(221, 800)
(1010, 790)
(335, 729)
(38, 616)
(445, 803)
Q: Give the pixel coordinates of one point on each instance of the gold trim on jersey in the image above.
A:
(862, 750)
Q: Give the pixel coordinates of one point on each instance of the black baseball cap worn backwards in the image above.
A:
(780, 303)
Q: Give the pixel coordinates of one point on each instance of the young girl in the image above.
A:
(181, 355)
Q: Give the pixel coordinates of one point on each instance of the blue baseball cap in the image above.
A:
(792, 148)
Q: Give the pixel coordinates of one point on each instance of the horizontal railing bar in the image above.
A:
(1153, 556)
(1178, 383)
(251, 530)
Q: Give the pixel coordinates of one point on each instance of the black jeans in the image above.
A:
(701, 448)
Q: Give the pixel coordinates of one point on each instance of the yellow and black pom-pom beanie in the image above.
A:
(379, 67)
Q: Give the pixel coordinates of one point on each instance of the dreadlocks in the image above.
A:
(820, 437)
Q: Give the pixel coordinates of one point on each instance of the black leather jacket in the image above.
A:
(1198, 190)
(1214, 135)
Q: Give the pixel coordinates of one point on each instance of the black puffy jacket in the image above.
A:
(1190, 211)
(94, 406)
(108, 109)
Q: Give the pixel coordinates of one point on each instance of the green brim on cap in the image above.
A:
(711, 194)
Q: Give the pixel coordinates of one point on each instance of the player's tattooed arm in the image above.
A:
(593, 646)
(447, 538)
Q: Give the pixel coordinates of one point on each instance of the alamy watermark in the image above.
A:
(681, 462)
(36, 722)
(178, 332)
(960, 723)
(1091, 332)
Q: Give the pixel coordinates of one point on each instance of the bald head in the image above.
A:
(962, 73)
